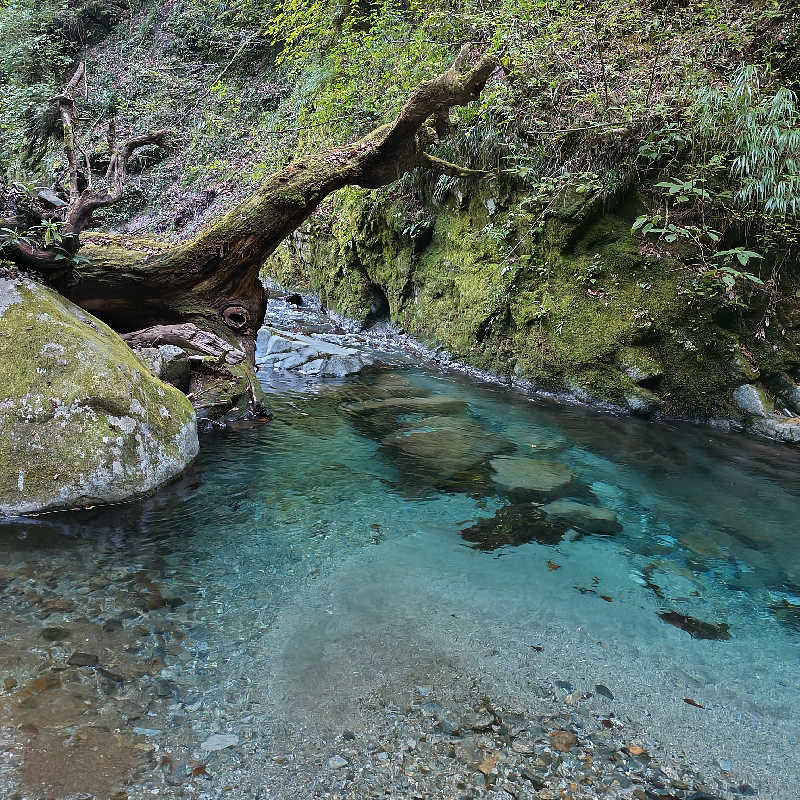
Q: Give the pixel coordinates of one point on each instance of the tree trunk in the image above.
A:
(212, 282)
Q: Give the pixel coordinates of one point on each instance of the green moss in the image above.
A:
(81, 418)
(571, 303)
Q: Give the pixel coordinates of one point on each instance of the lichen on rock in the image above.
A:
(82, 421)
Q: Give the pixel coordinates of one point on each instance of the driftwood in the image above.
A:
(189, 337)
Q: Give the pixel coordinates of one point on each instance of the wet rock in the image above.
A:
(529, 478)
(39, 685)
(594, 519)
(55, 634)
(604, 690)
(82, 660)
(58, 605)
(697, 628)
(563, 741)
(310, 355)
(752, 400)
(337, 762)
(219, 741)
(438, 448)
(641, 401)
(438, 404)
(784, 429)
(514, 525)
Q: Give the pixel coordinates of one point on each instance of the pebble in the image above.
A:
(337, 762)
(82, 660)
(219, 741)
(54, 634)
(604, 690)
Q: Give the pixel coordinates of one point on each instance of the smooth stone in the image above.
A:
(438, 404)
(337, 762)
(604, 690)
(82, 660)
(54, 634)
(219, 741)
(441, 447)
(752, 400)
(594, 519)
(527, 476)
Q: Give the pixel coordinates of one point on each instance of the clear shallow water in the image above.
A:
(319, 564)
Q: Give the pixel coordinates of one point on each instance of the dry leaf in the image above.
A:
(563, 741)
(168, 764)
(692, 702)
(635, 750)
(607, 598)
(199, 769)
(551, 565)
(488, 764)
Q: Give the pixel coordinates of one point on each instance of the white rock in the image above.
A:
(219, 741)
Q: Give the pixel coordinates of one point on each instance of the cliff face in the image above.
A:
(570, 300)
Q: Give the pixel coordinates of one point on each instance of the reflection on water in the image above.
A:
(700, 530)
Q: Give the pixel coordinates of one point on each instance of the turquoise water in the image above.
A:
(319, 558)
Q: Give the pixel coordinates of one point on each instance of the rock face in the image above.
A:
(169, 363)
(82, 421)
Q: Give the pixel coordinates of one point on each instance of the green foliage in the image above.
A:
(759, 131)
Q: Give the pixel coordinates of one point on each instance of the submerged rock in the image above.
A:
(514, 525)
(82, 421)
(219, 741)
(594, 519)
(530, 478)
(696, 627)
(438, 404)
(440, 447)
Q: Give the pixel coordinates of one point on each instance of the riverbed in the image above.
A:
(356, 577)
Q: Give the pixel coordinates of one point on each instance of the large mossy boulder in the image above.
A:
(82, 421)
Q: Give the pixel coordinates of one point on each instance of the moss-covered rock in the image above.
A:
(564, 299)
(82, 421)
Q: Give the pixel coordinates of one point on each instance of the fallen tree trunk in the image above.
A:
(212, 282)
